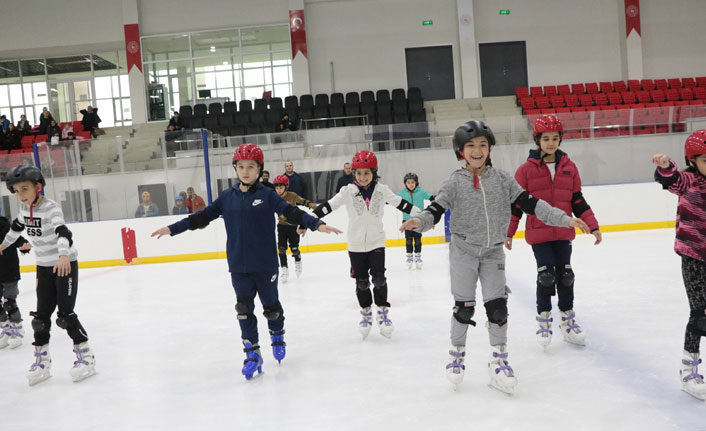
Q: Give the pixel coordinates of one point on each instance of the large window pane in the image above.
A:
(104, 88)
(9, 69)
(175, 77)
(40, 93)
(283, 90)
(254, 76)
(281, 75)
(174, 46)
(124, 86)
(4, 95)
(253, 93)
(261, 39)
(16, 95)
(29, 94)
(215, 43)
(256, 60)
(32, 70)
(76, 66)
(127, 113)
(105, 63)
(105, 108)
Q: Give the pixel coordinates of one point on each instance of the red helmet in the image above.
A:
(364, 160)
(695, 144)
(547, 123)
(249, 152)
(281, 180)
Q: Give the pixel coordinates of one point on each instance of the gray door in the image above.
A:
(432, 70)
(503, 67)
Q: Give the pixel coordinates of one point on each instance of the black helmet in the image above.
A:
(24, 173)
(468, 131)
(411, 176)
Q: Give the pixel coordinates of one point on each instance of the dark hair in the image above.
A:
(689, 167)
(539, 138)
(266, 172)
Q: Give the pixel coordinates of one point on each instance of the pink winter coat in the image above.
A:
(564, 192)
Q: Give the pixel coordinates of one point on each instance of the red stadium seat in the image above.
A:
(571, 100)
(628, 97)
(672, 94)
(536, 91)
(643, 97)
(619, 86)
(577, 89)
(591, 88)
(527, 103)
(700, 93)
(41, 138)
(686, 94)
(700, 81)
(674, 83)
(563, 89)
(615, 99)
(550, 90)
(657, 95)
(688, 82)
(634, 85)
(521, 92)
(586, 100)
(600, 99)
(542, 102)
(661, 84)
(647, 84)
(557, 101)
(605, 86)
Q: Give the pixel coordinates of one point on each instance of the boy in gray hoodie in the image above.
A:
(480, 198)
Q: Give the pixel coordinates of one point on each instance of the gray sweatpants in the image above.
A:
(468, 263)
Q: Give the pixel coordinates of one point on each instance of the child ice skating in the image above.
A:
(287, 235)
(690, 244)
(247, 210)
(57, 272)
(479, 198)
(11, 330)
(365, 201)
(416, 196)
(550, 175)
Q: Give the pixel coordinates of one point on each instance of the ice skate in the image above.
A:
(253, 360)
(571, 331)
(279, 350)
(544, 333)
(384, 323)
(5, 334)
(456, 368)
(85, 363)
(502, 377)
(692, 382)
(367, 323)
(284, 275)
(17, 334)
(298, 268)
(418, 260)
(410, 260)
(40, 370)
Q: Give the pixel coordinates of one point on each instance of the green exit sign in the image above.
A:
(427, 22)
(504, 11)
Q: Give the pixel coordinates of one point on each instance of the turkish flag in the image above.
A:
(297, 30)
(632, 17)
(132, 46)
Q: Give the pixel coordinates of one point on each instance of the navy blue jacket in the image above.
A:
(297, 185)
(250, 226)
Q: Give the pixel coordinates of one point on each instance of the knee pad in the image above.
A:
(40, 323)
(12, 311)
(282, 249)
(362, 284)
(496, 310)
(464, 311)
(697, 322)
(243, 307)
(295, 251)
(379, 281)
(273, 311)
(565, 277)
(546, 280)
(67, 322)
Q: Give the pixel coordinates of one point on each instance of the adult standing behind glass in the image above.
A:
(44, 121)
(265, 180)
(23, 125)
(90, 120)
(147, 208)
(346, 178)
(296, 182)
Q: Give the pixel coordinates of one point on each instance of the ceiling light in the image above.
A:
(213, 49)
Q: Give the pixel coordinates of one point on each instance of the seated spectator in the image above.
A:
(68, 128)
(53, 130)
(13, 138)
(171, 135)
(176, 121)
(5, 123)
(90, 120)
(194, 202)
(23, 125)
(179, 206)
(44, 121)
(286, 125)
(147, 208)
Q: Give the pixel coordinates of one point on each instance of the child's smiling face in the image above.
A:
(476, 152)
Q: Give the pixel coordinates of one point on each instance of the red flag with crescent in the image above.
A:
(297, 30)
(132, 47)
(632, 17)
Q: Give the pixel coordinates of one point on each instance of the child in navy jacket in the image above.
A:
(251, 249)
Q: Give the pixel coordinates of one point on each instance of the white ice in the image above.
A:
(169, 355)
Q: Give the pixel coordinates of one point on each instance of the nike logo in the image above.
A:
(256, 202)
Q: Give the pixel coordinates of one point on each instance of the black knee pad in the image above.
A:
(362, 284)
(496, 310)
(40, 323)
(379, 281)
(282, 249)
(697, 322)
(273, 311)
(12, 311)
(243, 307)
(546, 280)
(295, 251)
(67, 321)
(565, 277)
(464, 311)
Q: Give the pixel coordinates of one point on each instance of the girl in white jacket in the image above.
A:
(365, 201)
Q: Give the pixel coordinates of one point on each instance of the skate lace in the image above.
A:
(38, 362)
(571, 325)
(504, 365)
(6, 329)
(15, 331)
(457, 363)
(367, 318)
(694, 375)
(409, 259)
(544, 328)
(418, 259)
(79, 357)
(382, 317)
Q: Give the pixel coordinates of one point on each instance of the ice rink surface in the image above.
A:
(168, 351)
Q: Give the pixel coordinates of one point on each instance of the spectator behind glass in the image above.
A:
(90, 120)
(23, 125)
(44, 121)
(176, 121)
(53, 129)
(346, 178)
(266, 180)
(68, 128)
(13, 138)
(147, 208)
(286, 125)
(194, 202)
(5, 123)
(296, 182)
(179, 206)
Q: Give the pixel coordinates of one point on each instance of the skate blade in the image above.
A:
(3, 346)
(576, 343)
(15, 345)
(503, 390)
(700, 397)
(83, 376)
(254, 377)
(386, 335)
(39, 379)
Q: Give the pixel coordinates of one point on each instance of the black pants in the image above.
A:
(694, 273)
(413, 241)
(555, 255)
(52, 292)
(287, 234)
(365, 265)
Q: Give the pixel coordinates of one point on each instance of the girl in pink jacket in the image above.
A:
(690, 244)
(550, 175)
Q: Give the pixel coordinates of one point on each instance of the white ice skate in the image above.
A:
(692, 382)
(418, 261)
(17, 333)
(544, 333)
(40, 370)
(571, 331)
(410, 261)
(5, 334)
(85, 363)
(284, 275)
(298, 268)
(367, 323)
(502, 377)
(456, 368)
(384, 323)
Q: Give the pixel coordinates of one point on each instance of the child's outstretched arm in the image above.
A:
(515, 210)
(431, 215)
(397, 201)
(197, 220)
(332, 204)
(669, 176)
(12, 235)
(298, 217)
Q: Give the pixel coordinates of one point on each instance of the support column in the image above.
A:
(633, 40)
(133, 52)
(468, 50)
(300, 62)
